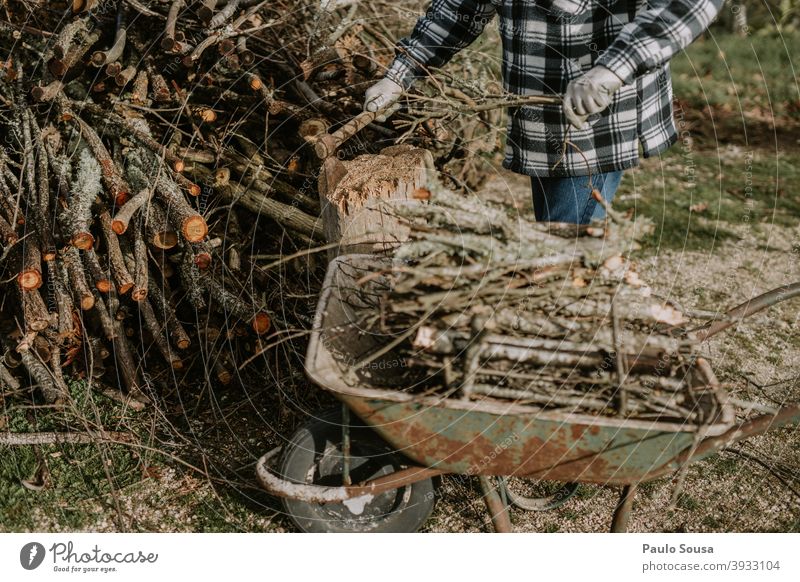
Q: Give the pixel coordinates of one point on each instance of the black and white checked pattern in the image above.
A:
(544, 48)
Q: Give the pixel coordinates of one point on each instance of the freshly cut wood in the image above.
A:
(116, 261)
(122, 217)
(259, 320)
(352, 194)
(158, 297)
(60, 66)
(223, 142)
(190, 223)
(100, 276)
(34, 311)
(77, 278)
(30, 275)
(84, 190)
(311, 129)
(160, 233)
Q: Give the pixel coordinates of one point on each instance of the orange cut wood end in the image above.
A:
(87, 302)
(261, 323)
(104, 285)
(194, 228)
(139, 294)
(118, 226)
(202, 260)
(207, 115)
(421, 194)
(121, 198)
(83, 241)
(29, 279)
(124, 288)
(39, 325)
(165, 240)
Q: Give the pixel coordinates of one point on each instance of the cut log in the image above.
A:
(122, 218)
(98, 274)
(353, 193)
(120, 272)
(77, 278)
(30, 275)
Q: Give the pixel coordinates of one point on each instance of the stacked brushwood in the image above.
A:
(481, 304)
(154, 152)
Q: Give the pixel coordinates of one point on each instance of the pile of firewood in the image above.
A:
(481, 304)
(154, 152)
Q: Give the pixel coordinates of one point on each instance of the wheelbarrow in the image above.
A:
(370, 465)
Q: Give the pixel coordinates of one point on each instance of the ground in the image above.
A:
(726, 213)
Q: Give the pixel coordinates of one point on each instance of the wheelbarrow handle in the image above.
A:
(747, 309)
(756, 426)
(328, 143)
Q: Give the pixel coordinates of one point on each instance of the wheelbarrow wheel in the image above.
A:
(533, 495)
(314, 456)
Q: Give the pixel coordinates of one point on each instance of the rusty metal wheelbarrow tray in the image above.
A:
(488, 437)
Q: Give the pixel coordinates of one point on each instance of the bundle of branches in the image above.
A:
(151, 143)
(484, 305)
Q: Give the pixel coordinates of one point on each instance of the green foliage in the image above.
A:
(72, 473)
(743, 76)
(736, 160)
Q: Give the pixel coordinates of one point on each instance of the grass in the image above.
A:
(73, 474)
(741, 74)
(698, 198)
(737, 159)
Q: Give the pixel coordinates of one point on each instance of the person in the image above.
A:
(608, 58)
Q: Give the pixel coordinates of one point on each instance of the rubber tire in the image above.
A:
(311, 449)
(548, 503)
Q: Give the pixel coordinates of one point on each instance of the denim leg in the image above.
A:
(569, 199)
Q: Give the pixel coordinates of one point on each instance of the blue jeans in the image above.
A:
(569, 199)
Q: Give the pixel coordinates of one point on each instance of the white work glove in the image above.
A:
(383, 95)
(589, 94)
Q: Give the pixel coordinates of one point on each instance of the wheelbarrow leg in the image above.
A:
(494, 505)
(623, 511)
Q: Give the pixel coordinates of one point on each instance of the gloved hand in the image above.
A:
(382, 95)
(589, 94)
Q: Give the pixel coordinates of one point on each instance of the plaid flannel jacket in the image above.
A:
(544, 48)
